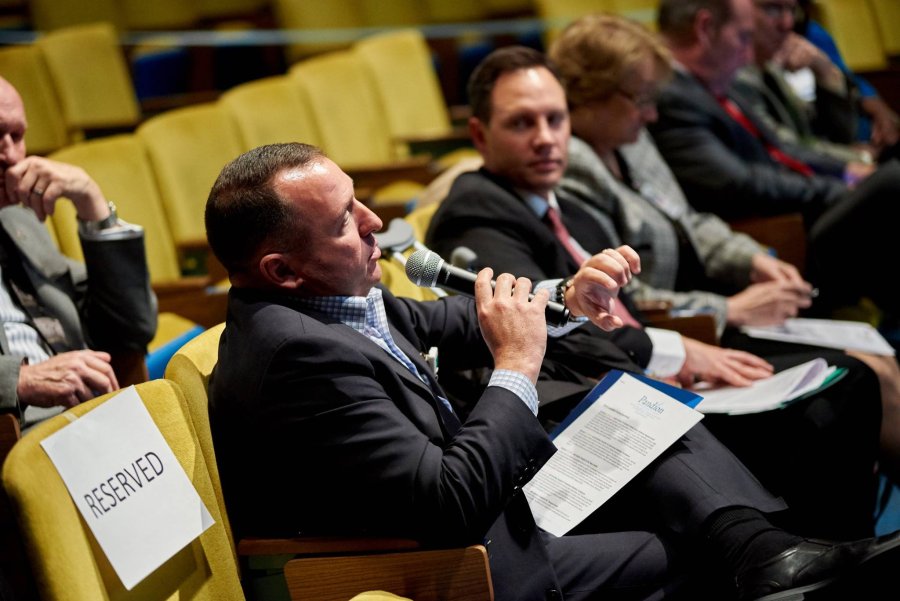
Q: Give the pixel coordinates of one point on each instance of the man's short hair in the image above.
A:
(598, 51)
(243, 210)
(497, 63)
(676, 17)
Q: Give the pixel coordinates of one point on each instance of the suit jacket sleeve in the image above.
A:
(321, 430)
(492, 221)
(721, 167)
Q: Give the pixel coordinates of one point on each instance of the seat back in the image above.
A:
(66, 560)
(270, 110)
(91, 76)
(47, 15)
(26, 69)
(120, 166)
(346, 109)
(187, 148)
(323, 24)
(855, 30)
(460, 574)
(556, 14)
(887, 17)
(139, 15)
(190, 368)
(401, 71)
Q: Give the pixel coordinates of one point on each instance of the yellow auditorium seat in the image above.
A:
(643, 11)
(396, 13)
(887, 16)
(400, 68)
(855, 30)
(353, 131)
(25, 68)
(65, 558)
(188, 147)
(47, 15)
(270, 110)
(121, 167)
(321, 26)
(556, 14)
(91, 77)
(140, 15)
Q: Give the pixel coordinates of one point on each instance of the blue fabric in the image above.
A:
(159, 359)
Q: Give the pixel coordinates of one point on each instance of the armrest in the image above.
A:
(193, 298)
(130, 367)
(419, 169)
(321, 545)
(196, 258)
(461, 574)
(653, 310)
(699, 327)
(785, 234)
(437, 145)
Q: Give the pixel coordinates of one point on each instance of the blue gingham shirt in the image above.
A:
(367, 316)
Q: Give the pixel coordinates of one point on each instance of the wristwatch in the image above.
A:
(93, 227)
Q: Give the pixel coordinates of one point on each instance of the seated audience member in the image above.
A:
(321, 385)
(827, 124)
(505, 213)
(62, 321)
(728, 163)
(612, 68)
(879, 124)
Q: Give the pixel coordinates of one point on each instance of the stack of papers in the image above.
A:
(830, 333)
(770, 393)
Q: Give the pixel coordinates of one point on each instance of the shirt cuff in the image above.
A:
(574, 322)
(517, 383)
(668, 354)
(122, 230)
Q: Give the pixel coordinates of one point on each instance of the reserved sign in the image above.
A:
(128, 485)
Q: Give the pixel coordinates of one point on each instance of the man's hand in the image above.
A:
(38, 183)
(798, 53)
(767, 303)
(715, 365)
(513, 326)
(766, 268)
(597, 284)
(66, 379)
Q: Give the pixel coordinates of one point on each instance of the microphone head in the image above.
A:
(463, 257)
(423, 267)
(397, 237)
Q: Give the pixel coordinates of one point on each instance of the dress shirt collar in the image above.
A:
(538, 204)
(357, 312)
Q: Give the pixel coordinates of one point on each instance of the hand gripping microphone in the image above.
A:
(427, 268)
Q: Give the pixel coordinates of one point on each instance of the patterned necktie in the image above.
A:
(565, 238)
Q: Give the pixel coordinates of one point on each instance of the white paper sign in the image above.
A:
(620, 427)
(129, 487)
(830, 333)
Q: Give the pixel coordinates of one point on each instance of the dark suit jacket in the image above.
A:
(482, 213)
(319, 430)
(724, 169)
(105, 304)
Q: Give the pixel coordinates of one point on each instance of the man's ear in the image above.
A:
(704, 27)
(278, 271)
(476, 132)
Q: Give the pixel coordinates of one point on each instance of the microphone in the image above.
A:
(427, 268)
(463, 257)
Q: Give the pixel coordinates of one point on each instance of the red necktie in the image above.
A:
(565, 238)
(735, 112)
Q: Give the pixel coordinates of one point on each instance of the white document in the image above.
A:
(616, 431)
(830, 333)
(769, 393)
(130, 489)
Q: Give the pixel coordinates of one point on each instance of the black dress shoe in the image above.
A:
(810, 566)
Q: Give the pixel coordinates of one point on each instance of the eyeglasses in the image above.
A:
(640, 101)
(776, 10)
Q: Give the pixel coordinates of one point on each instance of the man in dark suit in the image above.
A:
(729, 163)
(327, 419)
(520, 125)
(62, 321)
